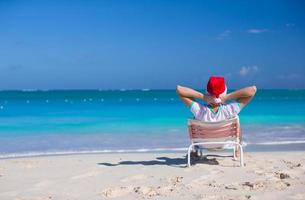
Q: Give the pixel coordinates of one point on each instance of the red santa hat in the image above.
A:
(217, 87)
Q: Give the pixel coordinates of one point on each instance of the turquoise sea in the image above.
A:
(82, 121)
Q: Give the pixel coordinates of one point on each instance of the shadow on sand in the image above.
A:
(159, 161)
(175, 162)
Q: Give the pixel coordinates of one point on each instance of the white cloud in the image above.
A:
(248, 70)
(224, 35)
(256, 31)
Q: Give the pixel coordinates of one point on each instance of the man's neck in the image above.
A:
(215, 108)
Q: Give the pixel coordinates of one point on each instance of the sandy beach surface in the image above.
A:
(267, 175)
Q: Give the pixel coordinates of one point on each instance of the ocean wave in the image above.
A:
(278, 142)
(55, 153)
(29, 90)
(141, 150)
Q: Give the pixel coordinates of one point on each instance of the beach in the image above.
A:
(266, 175)
(97, 100)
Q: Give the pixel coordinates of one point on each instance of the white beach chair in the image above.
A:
(215, 135)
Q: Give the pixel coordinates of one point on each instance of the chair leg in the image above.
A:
(241, 155)
(189, 155)
(234, 153)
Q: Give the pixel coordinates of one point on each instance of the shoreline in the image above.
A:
(267, 175)
(252, 148)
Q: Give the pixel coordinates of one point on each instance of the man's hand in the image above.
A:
(223, 98)
(210, 100)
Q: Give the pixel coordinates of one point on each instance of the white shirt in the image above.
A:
(206, 113)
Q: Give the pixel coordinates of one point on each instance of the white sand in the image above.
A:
(272, 175)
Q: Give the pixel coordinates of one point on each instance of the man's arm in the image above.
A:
(243, 96)
(187, 95)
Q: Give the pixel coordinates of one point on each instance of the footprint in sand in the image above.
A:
(117, 192)
(257, 186)
(175, 180)
(264, 185)
(281, 185)
(231, 186)
(151, 191)
(147, 191)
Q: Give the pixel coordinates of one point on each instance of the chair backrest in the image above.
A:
(227, 129)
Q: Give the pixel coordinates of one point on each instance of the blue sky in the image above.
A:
(153, 44)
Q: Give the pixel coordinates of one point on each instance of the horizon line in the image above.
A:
(123, 89)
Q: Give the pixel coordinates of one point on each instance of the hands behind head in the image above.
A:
(211, 100)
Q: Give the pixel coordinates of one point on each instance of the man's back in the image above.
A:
(208, 114)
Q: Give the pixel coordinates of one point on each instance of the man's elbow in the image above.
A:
(254, 89)
(178, 89)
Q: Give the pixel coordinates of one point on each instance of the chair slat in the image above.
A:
(203, 130)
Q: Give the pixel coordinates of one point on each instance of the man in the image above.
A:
(216, 108)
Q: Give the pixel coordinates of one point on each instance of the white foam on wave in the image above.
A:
(145, 89)
(143, 150)
(55, 153)
(278, 142)
(29, 90)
